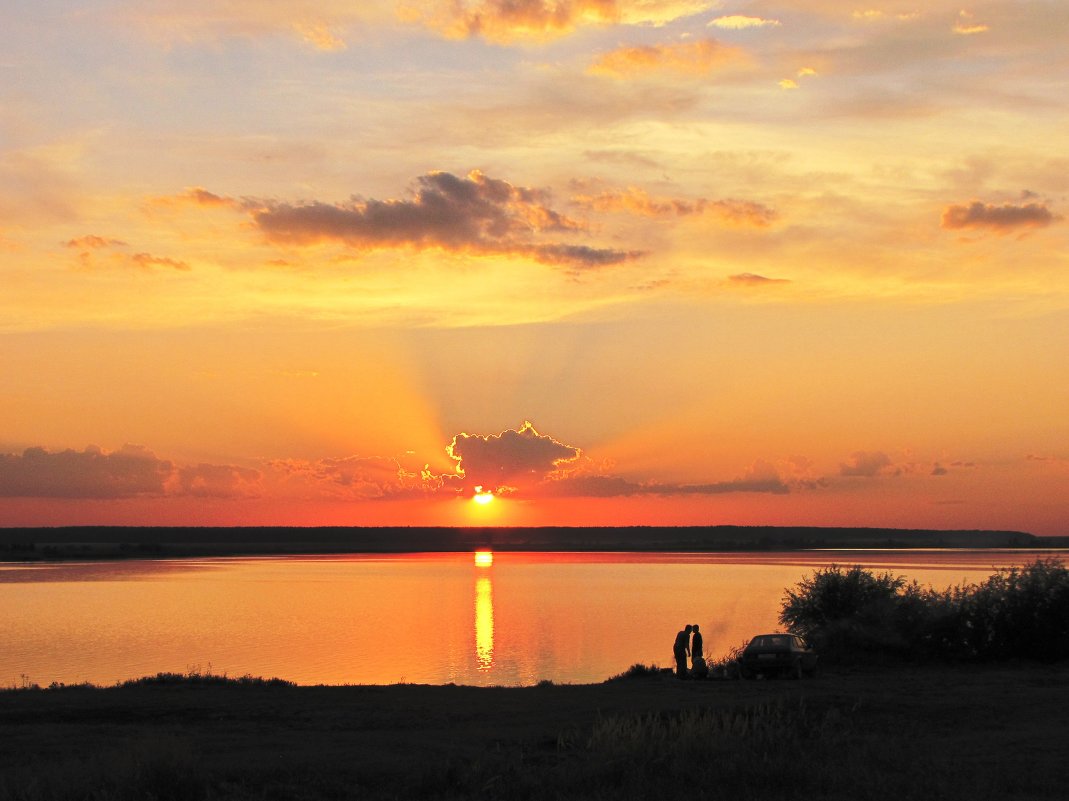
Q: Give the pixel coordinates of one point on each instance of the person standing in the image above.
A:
(681, 649)
(697, 655)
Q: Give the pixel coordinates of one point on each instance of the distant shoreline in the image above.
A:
(116, 542)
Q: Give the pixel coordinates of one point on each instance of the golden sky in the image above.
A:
(615, 261)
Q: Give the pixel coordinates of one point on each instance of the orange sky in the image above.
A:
(740, 263)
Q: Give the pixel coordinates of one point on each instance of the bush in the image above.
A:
(852, 612)
(845, 609)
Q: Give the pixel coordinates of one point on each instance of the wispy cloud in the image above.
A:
(738, 22)
(638, 201)
(681, 58)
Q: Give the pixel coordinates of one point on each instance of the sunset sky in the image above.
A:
(614, 261)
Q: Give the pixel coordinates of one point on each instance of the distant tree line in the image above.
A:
(850, 613)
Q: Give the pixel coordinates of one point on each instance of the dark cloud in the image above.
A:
(475, 214)
(939, 470)
(132, 471)
(866, 463)
(216, 481)
(1002, 219)
(518, 458)
(596, 486)
(92, 473)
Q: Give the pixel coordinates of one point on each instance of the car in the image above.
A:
(777, 654)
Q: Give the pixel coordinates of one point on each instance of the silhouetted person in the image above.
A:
(681, 649)
(697, 655)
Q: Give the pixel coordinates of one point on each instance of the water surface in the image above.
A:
(517, 618)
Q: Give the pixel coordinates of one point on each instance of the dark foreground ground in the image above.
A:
(901, 733)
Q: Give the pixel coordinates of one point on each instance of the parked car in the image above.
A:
(778, 654)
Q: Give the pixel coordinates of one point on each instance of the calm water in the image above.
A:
(422, 618)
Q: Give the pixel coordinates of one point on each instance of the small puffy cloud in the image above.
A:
(518, 458)
(685, 58)
(939, 470)
(738, 22)
(638, 201)
(867, 464)
(788, 83)
(806, 72)
(147, 261)
(1000, 219)
(966, 26)
(93, 242)
(475, 214)
(753, 279)
(319, 35)
(93, 473)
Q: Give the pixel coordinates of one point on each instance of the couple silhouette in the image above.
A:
(689, 643)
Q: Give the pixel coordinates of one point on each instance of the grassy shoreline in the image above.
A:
(904, 732)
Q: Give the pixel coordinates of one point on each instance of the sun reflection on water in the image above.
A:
(484, 623)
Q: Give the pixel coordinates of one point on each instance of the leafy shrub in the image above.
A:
(1020, 612)
(845, 609)
(852, 612)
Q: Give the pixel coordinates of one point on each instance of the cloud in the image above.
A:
(964, 26)
(752, 279)
(685, 58)
(1001, 219)
(476, 214)
(215, 481)
(638, 201)
(512, 20)
(132, 471)
(939, 470)
(738, 22)
(324, 24)
(319, 35)
(761, 477)
(147, 261)
(519, 458)
(93, 242)
(866, 463)
(356, 478)
(93, 473)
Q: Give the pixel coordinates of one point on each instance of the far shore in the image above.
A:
(117, 542)
(891, 732)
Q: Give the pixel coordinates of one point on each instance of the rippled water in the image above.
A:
(425, 618)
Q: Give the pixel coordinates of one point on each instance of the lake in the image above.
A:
(481, 619)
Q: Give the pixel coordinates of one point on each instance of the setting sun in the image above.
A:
(482, 498)
(484, 558)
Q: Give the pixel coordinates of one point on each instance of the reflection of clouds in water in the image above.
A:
(131, 570)
(484, 623)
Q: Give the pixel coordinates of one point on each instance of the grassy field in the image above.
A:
(901, 733)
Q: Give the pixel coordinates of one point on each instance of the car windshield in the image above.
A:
(769, 641)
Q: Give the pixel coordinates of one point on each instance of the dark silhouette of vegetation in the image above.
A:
(854, 613)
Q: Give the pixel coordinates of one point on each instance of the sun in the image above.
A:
(482, 498)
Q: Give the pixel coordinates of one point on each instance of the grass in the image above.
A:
(918, 732)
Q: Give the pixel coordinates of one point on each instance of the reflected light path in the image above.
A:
(484, 623)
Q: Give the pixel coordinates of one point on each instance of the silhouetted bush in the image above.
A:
(850, 612)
